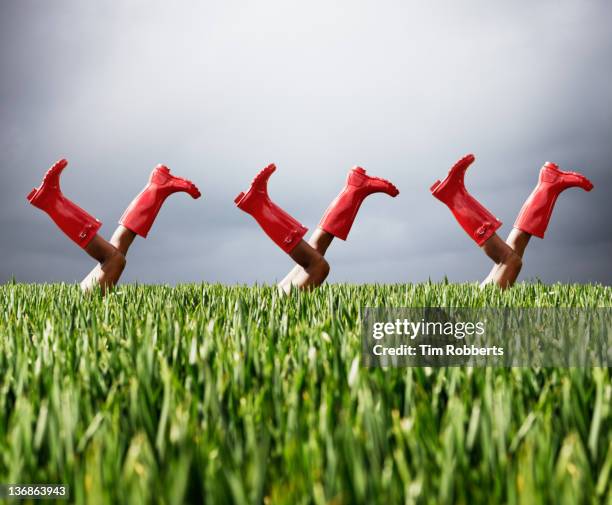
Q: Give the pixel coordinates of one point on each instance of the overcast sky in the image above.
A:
(217, 90)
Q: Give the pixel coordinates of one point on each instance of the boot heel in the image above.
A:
(31, 194)
(239, 198)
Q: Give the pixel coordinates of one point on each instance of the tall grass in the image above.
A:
(212, 394)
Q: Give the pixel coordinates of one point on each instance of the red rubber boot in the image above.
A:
(143, 210)
(341, 213)
(537, 209)
(80, 226)
(475, 219)
(285, 231)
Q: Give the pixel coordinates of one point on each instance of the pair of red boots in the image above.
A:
(534, 216)
(285, 231)
(82, 227)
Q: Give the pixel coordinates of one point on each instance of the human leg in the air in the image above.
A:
(340, 215)
(477, 221)
(283, 229)
(320, 240)
(138, 218)
(535, 214)
(81, 227)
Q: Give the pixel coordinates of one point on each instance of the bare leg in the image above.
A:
(121, 240)
(320, 240)
(518, 241)
(111, 264)
(314, 268)
(507, 262)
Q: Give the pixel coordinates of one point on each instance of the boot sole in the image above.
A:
(193, 191)
(362, 172)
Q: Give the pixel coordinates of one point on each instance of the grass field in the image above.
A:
(212, 394)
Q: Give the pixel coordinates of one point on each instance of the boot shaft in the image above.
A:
(476, 220)
(142, 211)
(283, 229)
(80, 226)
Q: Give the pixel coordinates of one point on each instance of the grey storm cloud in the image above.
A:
(217, 90)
